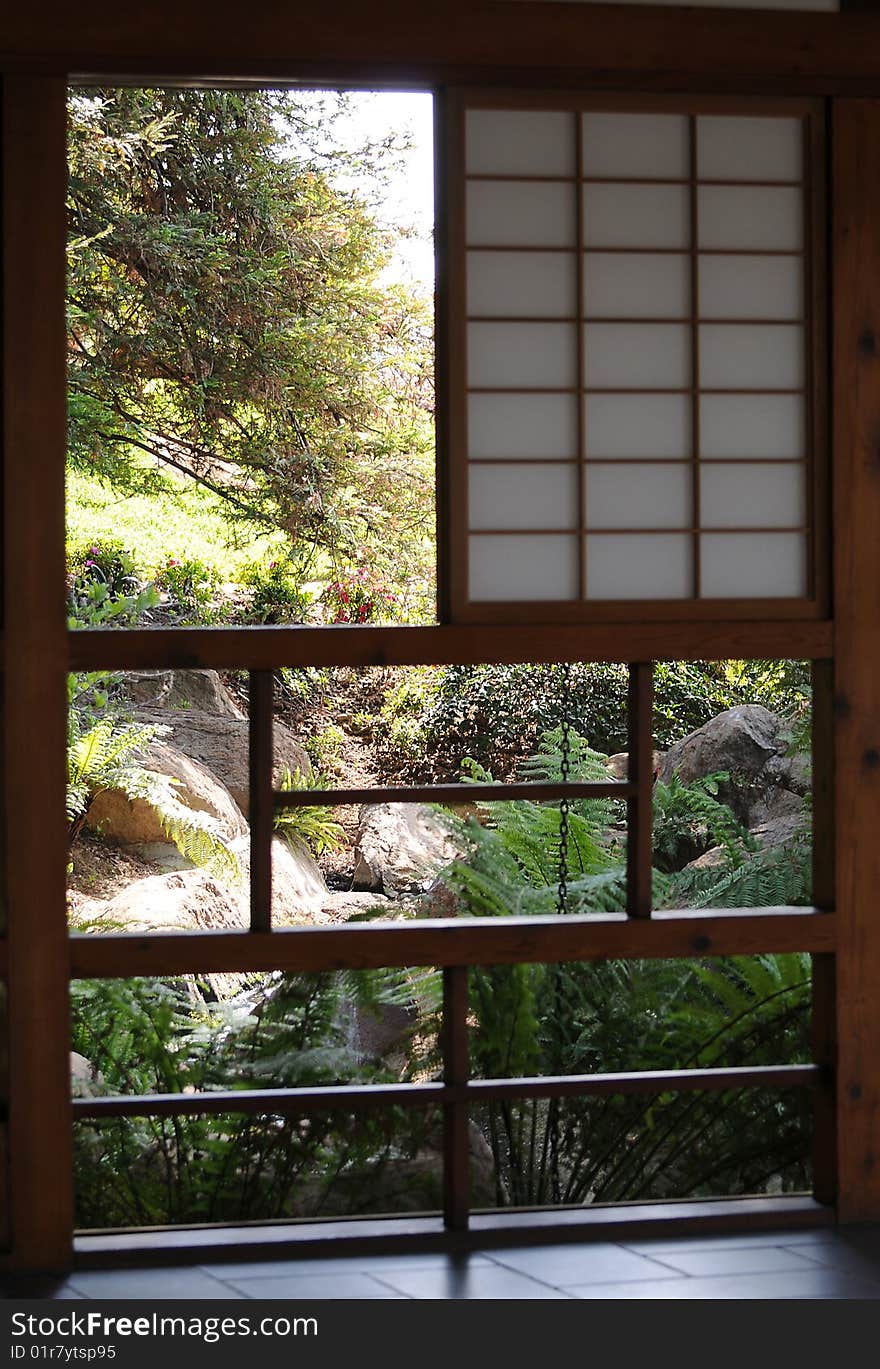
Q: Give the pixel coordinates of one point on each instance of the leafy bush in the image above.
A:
(275, 593)
(771, 877)
(619, 1016)
(189, 589)
(497, 714)
(688, 819)
(107, 563)
(360, 596)
(286, 1031)
(630, 1015)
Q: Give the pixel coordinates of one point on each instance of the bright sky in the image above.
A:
(408, 200)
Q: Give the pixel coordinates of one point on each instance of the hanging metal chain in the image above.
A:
(553, 1118)
(565, 771)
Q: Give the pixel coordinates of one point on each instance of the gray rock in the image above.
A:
(749, 742)
(299, 892)
(181, 689)
(185, 900)
(134, 821)
(400, 847)
(347, 904)
(221, 745)
(85, 1080)
(782, 831)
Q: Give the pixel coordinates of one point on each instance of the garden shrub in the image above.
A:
(275, 594)
(189, 590)
(284, 1031)
(580, 1018)
(497, 713)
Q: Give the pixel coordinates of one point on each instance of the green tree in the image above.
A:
(228, 321)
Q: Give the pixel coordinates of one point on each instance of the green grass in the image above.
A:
(185, 522)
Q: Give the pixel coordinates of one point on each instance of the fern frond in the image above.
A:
(314, 826)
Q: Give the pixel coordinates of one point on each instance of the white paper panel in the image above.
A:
(766, 496)
(636, 285)
(636, 216)
(654, 426)
(763, 217)
(520, 214)
(649, 356)
(523, 497)
(541, 355)
(534, 567)
(751, 357)
(753, 565)
(636, 145)
(751, 287)
(765, 426)
(537, 284)
(519, 142)
(522, 425)
(631, 496)
(649, 566)
(749, 149)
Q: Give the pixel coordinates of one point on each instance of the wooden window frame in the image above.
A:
(835, 57)
(456, 530)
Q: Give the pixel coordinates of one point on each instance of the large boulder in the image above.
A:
(782, 833)
(134, 821)
(358, 904)
(221, 745)
(400, 847)
(181, 689)
(183, 901)
(749, 743)
(299, 891)
(85, 1080)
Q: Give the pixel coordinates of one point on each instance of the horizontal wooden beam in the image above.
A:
(268, 648)
(443, 40)
(511, 1226)
(357, 1097)
(456, 941)
(534, 792)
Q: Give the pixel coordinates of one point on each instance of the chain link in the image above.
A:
(553, 1118)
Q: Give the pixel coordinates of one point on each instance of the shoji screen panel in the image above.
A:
(634, 347)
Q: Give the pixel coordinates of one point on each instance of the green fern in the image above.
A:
(314, 826)
(291, 1031)
(689, 818)
(635, 1015)
(775, 876)
(101, 755)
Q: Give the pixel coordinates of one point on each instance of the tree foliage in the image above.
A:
(228, 322)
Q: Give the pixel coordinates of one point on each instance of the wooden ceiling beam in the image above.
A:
(450, 41)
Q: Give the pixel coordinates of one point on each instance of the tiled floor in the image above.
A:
(804, 1264)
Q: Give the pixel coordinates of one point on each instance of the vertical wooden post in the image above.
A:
(824, 966)
(261, 808)
(856, 407)
(639, 810)
(34, 168)
(456, 1067)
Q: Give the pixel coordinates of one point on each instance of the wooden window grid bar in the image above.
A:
(262, 799)
(360, 1097)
